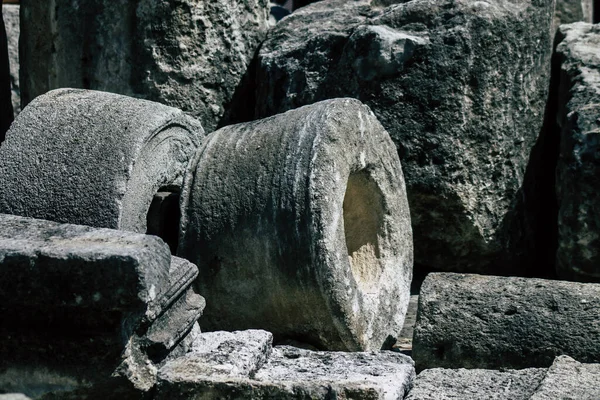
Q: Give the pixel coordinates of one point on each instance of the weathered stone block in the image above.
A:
(476, 321)
(78, 303)
(10, 13)
(578, 169)
(461, 86)
(569, 379)
(300, 225)
(94, 158)
(187, 54)
(476, 384)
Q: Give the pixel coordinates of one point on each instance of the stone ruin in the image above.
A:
(353, 199)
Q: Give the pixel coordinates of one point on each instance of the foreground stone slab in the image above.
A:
(578, 169)
(220, 355)
(292, 373)
(79, 303)
(569, 379)
(300, 225)
(476, 384)
(475, 321)
(93, 158)
(188, 54)
(450, 81)
(232, 366)
(10, 13)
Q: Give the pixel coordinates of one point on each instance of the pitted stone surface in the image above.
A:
(299, 224)
(476, 321)
(461, 86)
(568, 379)
(476, 384)
(188, 54)
(93, 158)
(578, 169)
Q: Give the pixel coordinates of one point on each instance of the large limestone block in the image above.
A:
(475, 321)
(6, 111)
(299, 224)
(476, 384)
(94, 158)
(79, 303)
(188, 54)
(461, 87)
(289, 373)
(569, 379)
(578, 169)
(10, 12)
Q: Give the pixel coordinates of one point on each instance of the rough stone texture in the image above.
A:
(476, 384)
(187, 54)
(474, 321)
(93, 158)
(299, 224)
(568, 379)
(293, 373)
(568, 11)
(220, 354)
(578, 170)
(461, 87)
(71, 295)
(290, 373)
(6, 111)
(10, 12)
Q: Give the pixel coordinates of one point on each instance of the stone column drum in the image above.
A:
(299, 224)
(94, 158)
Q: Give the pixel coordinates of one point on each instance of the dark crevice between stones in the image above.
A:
(243, 102)
(532, 226)
(163, 217)
(6, 110)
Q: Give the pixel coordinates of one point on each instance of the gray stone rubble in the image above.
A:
(297, 226)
